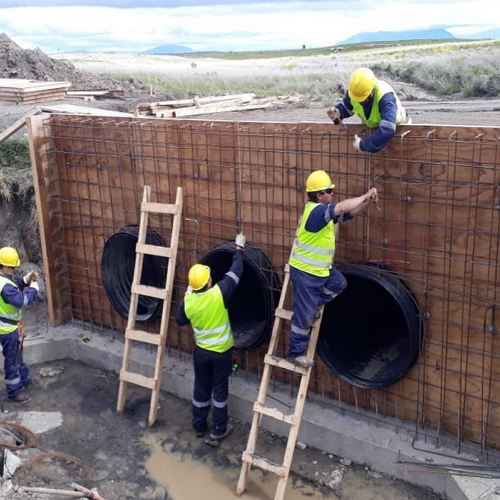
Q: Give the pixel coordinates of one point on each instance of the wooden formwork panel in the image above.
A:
(438, 229)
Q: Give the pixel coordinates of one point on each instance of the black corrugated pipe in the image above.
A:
(251, 308)
(117, 268)
(372, 332)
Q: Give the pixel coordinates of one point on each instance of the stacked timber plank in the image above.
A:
(209, 105)
(31, 91)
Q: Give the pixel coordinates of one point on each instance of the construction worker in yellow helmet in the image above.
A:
(378, 106)
(15, 294)
(315, 281)
(205, 307)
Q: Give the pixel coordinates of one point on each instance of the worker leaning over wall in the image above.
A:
(14, 295)
(376, 103)
(205, 307)
(315, 280)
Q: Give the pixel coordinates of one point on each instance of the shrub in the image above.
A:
(15, 169)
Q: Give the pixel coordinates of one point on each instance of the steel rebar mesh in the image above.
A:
(438, 229)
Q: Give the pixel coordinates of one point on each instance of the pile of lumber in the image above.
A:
(96, 94)
(31, 91)
(209, 105)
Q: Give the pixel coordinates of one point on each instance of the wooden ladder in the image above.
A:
(165, 294)
(249, 458)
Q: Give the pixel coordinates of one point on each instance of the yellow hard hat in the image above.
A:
(9, 257)
(198, 276)
(361, 84)
(318, 181)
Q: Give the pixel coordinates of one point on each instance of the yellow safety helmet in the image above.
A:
(198, 276)
(318, 181)
(9, 257)
(361, 84)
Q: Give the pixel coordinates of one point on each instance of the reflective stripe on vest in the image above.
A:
(313, 252)
(209, 319)
(374, 120)
(8, 311)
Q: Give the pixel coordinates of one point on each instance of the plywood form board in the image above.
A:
(46, 183)
(22, 85)
(438, 224)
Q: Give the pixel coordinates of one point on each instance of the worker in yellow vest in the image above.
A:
(15, 294)
(205, 307)
(378, 106)
(315, 280)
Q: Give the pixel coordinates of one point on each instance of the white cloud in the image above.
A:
(235, 26)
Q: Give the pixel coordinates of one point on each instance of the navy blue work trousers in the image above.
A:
(310, 292)
(17, 374)
(211, 388)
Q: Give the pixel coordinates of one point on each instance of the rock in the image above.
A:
(47, 371)
(300, 445)
(336, 479)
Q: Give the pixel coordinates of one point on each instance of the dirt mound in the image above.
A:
(16, 62)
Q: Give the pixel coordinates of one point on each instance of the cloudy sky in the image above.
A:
(137, 25)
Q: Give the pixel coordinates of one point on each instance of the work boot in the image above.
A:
(219, 437)
(199, 434)
(302, 361)
(21, 398)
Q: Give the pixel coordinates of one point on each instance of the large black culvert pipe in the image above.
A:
(117, 269)
(251, 306)
(371, 333)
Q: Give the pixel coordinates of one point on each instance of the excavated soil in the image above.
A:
(16, 62)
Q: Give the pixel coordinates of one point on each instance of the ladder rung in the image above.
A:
(274, 413)
(154, 250)
(159, 208)
(264, 464)
(149, 291)
(283, 363)
(142, 336)
(283, 313)
(137, 379)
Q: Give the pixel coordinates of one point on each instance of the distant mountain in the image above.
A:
(493, 33)
(168, 49)
(392, 36)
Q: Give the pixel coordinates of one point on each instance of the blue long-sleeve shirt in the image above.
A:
(227, 287)
(20, 296)
(388, 109)
(321, 215)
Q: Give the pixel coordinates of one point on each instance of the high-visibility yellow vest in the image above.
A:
(373, 121)
(209, 319)
(8, 311)
(313, 252)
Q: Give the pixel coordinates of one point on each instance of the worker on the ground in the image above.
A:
(376, 103)
(14, 295)
(315, 280)
(205, 307)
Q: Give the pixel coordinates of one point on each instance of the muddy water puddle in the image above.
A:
(185, 477)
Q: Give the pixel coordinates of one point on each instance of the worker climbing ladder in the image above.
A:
(249, 457)
(165, 294)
